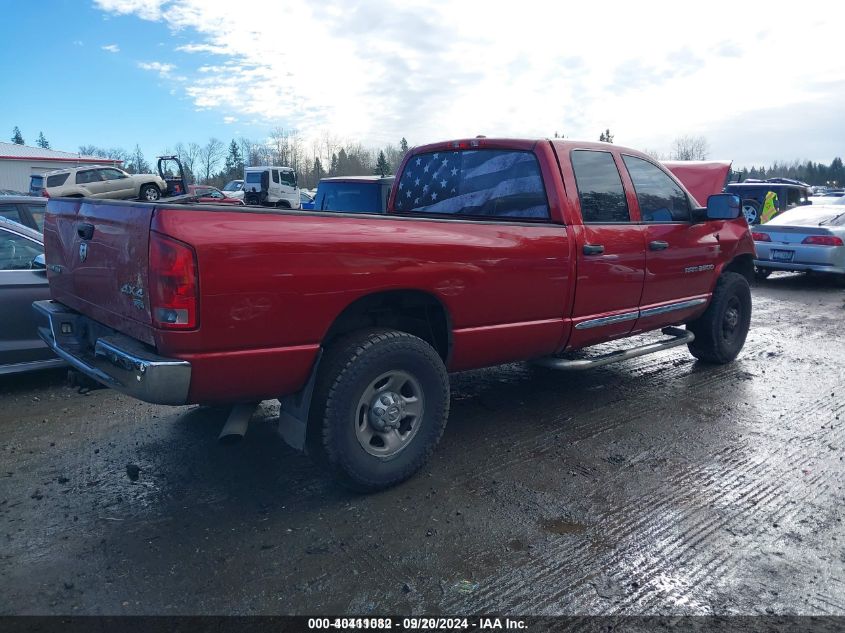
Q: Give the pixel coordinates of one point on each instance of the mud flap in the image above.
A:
(293, 414)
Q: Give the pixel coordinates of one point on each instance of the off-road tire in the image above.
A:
(347, 369)
(715, 340)
(149, 193)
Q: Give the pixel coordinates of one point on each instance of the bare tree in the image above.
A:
(210, 156)
(690, 148)
(656, 155)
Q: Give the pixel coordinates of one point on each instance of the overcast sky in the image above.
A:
(761, 81)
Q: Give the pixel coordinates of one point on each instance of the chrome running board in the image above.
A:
(678, 337)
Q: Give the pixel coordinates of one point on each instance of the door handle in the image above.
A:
(658, 245)
(85, 231)
(593, 249)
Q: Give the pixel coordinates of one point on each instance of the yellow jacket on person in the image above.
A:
(770, 209)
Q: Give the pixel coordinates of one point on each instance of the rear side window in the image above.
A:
(275, 175)
(484, 183)
(84, 177)
(254, 177)
(660, 198)
(17, 252)
(599, 187)
(58, 180)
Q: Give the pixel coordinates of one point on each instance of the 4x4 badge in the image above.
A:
(83, 251)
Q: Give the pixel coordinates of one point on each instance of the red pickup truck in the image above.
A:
(491, 251)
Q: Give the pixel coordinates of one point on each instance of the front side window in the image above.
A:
(288, 178)
(112, 174)
(659, 197)
(599, 187)
(17, 252)
(484, 183)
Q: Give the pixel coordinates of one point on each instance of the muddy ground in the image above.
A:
(654, 486)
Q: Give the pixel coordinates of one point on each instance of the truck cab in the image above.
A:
(271, 186)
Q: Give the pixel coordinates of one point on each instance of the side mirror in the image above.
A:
(39, 263)
(723, 206)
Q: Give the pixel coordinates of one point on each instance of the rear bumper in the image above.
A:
(822, 259)
(115, 360)
(817, 268)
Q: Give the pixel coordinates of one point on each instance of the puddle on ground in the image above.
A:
(561, 526)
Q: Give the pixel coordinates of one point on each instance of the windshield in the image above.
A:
(234, 185)
(352, 197)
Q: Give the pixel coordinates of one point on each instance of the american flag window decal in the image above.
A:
(480, 183)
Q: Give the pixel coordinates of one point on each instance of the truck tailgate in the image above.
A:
(97, 261)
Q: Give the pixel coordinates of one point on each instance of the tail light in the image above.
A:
(174, 287)
(761, 237)
(823, 240)
(44, 193)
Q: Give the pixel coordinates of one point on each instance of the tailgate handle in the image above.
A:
(593, 249)
(85, 231)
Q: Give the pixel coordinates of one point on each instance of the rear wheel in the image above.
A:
(751, 211)
(150, 193)
(721, 331)
(380, 406)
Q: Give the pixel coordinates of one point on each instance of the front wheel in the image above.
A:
(150, 193)
(380, 406)
(721, 331)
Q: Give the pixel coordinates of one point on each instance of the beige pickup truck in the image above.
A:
(103, 182)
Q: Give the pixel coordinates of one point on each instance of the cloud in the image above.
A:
(434, 69)
(111, 48)
(230, 119)
(162, 69)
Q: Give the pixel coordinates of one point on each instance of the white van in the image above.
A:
(271, 186)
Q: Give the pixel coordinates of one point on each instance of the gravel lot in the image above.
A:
(654, 486)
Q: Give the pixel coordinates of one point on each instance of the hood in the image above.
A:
(702, 178)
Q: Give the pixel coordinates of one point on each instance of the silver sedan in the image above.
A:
(810, 238)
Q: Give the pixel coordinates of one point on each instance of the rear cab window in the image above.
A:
(478, 183)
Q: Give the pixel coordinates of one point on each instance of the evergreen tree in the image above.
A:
(403, 146)
(606, 136)
(42, 142)
(318, 169)
(234, 161)
(17, 137)
(136, 163)
(381, 164)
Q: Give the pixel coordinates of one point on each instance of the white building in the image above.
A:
(19, 162)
